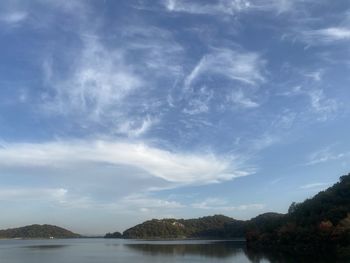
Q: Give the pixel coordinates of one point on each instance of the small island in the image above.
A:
(37, 232)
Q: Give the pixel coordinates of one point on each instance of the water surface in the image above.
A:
(130, 251)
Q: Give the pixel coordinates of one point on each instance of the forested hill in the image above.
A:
(217, 226)
(37, 231)
(322, 222)
(205, 227)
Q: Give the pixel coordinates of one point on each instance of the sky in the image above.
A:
(116, 112)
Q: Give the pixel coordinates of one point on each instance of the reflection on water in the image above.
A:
(45, 247)
(223, 249)
(275, 257)
(130, 251)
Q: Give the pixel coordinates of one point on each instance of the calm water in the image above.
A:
(130, 251)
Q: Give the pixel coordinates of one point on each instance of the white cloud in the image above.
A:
(264, 141)
(113, 87)
(235, 65)
(223, 205)
(319, 103)
(275, 133)
(326, 35)
(241, 100)
(230, 7)
(285, 120)
(157, 50)
(278, 6)
(136, 128)
(58, 197)
(316, 75)
(324, 155)
(33, 194)
(314, 185)
(200, 102)
(177, 168)
(322, 105)
(14, 17)
(99, 82)
(227, 7)
(276, 181)
(145, 203)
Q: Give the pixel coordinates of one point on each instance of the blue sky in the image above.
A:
(114, 112)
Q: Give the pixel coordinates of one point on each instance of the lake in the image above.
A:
(130, 251)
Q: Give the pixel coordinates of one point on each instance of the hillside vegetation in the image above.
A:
(217, 226)
(205, 227)
(322, 222)
(37, 231)
(113, 235)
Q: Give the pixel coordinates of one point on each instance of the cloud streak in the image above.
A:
(223, 205)
(324, 155)
(320, 104)
(314, 185)
(227, 7)
(241, 100)
(176, 168)
(326, 35)
(14, 17)
(244, 67)
(230, 7)
(100, 81)
(33, 194)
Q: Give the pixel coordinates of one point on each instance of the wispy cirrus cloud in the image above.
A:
(320, 104)
(157, 49)
(57, 197)
(176, 168)
(314, 185)
(146, 204)
(14, 17)
(64, 198)
(99, 86)
(332, 29)
(326, 35)
(113, 86)
(228, 7)
(231, 7)
(99, 82)
(33, 194)
(219, 204)
(136, 127)
(237, 65)
(200, 104)
(280, 6)
(239, 99)
(324, 155)
(229, 74)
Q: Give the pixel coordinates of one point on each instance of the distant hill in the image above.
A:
(217, 226)
(319, 223)
(205, 227)
(113, 235)
(37, 231)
